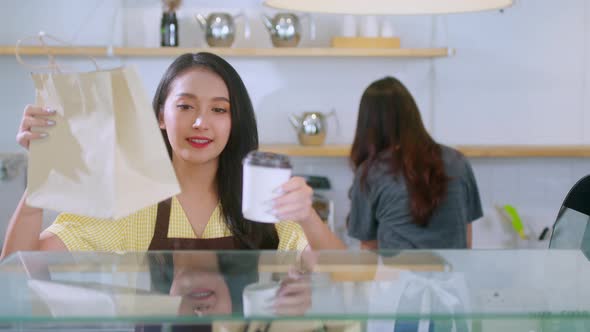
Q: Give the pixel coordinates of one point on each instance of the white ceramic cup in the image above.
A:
(258, 298)
(370, 26)
(348, 28)
(387, 29)
(264, 173)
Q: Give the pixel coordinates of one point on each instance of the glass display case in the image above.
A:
(435, 290)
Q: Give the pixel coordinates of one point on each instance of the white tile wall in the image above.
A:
(11, 187)
(11, 190)
(536, 187)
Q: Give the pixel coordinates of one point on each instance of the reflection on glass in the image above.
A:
(570, 230)
(203, 284)
(424, 289)
(216, 284)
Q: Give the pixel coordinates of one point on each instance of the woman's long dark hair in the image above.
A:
(243, 138)
(389, 125)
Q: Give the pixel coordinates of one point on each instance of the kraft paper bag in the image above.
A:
(105, 157)
(63, 300)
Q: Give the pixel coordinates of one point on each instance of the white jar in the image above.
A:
(258, 298)
(387, 29)
(349, 28)
(370, 26)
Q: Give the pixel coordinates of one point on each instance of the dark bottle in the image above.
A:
(169, 29)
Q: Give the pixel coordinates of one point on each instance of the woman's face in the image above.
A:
(196, 116)
(201, 286)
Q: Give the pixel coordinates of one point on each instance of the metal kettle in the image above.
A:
(311, 126)
(285, 29)
(220, 28)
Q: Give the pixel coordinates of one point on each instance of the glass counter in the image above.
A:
(415, 290)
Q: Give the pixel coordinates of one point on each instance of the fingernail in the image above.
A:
(278, 190)
(50, 123)
(50, 110)
(43, 135)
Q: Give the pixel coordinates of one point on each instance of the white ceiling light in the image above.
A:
(388, 7)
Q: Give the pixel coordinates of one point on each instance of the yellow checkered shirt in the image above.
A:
(135, 232)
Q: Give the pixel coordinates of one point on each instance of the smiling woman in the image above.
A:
(200, 120)
(208, 124)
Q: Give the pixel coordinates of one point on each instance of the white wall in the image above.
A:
(519, 77)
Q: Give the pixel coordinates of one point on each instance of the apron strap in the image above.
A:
(163, 219)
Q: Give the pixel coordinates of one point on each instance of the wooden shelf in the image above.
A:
(308, 151)
(515, 151)
(473, 151)
(241, 52)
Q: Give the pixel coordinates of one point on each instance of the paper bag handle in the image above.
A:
(52, 63)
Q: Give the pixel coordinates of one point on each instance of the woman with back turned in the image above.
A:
(408, 191)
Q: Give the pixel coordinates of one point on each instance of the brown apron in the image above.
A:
(161, 241)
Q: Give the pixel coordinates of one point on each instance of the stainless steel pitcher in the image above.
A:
(220, 28)
(311, 126)
(285, 29)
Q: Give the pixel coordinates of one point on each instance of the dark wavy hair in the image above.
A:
(389, 125)
(243, 138)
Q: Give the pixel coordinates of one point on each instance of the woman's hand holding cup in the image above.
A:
(294, 201)
(294, 296)
(271, 195)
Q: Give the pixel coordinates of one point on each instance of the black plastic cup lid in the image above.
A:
(267, 159)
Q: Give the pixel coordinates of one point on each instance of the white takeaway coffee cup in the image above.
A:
(264, 172)
(258, 299)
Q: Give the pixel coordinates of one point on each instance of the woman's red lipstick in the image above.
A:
(199, 142)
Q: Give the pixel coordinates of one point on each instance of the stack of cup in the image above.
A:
(370, 26)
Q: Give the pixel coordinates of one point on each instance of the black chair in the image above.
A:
(572, 225)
